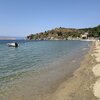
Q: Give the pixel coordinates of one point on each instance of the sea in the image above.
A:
(38, 65)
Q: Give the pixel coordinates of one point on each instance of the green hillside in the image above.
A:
(65, 33)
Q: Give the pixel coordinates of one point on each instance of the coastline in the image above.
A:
(80, 85)
(77, 87)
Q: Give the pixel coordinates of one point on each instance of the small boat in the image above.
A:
(13, 44)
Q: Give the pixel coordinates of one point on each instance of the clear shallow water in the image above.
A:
(36, 55)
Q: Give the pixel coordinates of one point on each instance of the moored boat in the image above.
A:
(14, 44)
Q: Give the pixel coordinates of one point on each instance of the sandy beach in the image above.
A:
(96, 71)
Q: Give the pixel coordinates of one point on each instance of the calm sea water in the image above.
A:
(35, 55)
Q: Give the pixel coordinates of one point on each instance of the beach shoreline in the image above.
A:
(80, 85)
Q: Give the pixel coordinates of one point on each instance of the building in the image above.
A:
(85, 35)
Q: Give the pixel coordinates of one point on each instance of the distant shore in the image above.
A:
(7, 38)
(11, 38)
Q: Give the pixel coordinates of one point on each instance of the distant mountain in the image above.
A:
(11, 38)
(7, 38)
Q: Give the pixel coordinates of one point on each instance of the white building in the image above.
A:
(85, 35)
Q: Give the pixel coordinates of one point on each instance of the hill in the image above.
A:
(65, 33)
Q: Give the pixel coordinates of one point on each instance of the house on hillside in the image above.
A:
(85, 35)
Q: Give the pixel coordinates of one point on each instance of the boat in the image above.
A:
(14, 44)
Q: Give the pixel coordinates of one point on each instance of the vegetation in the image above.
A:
(93, 32)
(65, 33)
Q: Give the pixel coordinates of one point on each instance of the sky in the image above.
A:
(23, 17)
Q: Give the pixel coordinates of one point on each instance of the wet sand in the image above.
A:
(78, 87)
